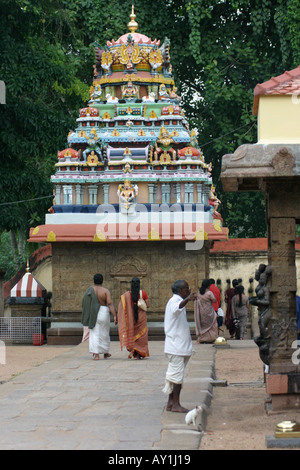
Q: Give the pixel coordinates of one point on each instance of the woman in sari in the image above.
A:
(132, 321)
(229, 293)
(240, 311)
(205, 316)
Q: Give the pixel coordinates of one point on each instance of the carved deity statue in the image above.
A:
(127, 194)
(262, 301)
(130, 54)
(163, 93)
(95, 93)
(213, 200)
(129, 91)
(155, 59)
(93, 148)
(106, 61)
(163, 146)
(173, 95)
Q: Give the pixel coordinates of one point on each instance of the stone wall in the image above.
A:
(237, 259)
(157, 264)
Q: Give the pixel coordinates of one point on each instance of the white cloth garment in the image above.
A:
(175, 371)
(178, 342)
(99, 339)
(178, 338)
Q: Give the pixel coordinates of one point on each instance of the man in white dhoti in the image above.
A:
(178, 343)
(97, 305)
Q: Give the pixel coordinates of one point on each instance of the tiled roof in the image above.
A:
(287, 83)
(111, 232)
(239, 245)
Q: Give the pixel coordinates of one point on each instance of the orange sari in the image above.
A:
(133, 336)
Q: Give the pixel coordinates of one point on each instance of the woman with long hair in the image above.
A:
(132, 321)
(229, 293)
(240, 311)
(205, 316)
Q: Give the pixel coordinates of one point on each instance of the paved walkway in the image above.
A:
(75, 403)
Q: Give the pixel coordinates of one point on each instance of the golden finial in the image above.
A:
(132, 25)
(27, 266)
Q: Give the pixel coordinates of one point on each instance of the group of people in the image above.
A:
(209, 314)
(237, 311)
(131, 318)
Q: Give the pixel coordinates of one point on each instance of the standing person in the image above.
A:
(132, 321)
(178, 343)
(205, 315)
(217, 294)
(96, 308)
(229, 293)
(240, 311)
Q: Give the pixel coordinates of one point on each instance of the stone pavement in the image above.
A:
(74, 403)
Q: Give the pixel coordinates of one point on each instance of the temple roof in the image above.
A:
(113, 233)
(137, 37)
(287, 83)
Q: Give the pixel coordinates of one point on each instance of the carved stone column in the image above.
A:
(282, 200)
(275, 170)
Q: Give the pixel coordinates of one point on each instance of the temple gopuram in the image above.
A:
(133, 195)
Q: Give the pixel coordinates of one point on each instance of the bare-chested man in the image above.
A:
(97, 305)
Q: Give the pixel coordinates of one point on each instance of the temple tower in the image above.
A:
(133, 193)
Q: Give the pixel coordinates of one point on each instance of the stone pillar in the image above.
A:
(57, 194)
(79, 193)
(177, 193)
(165, 198)
(93, 189)
(283, 380)
(68, 193)
(206, 190)
(200, 194)
(151, 189)
(105, 188)
(189, 193)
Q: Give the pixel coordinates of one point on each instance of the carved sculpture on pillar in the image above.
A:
(262, 301)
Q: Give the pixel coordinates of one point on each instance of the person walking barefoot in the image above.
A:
(178, 343)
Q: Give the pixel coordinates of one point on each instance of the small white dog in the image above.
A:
(191, 416)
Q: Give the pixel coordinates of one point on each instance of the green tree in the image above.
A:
(42, 94)
(219, 51)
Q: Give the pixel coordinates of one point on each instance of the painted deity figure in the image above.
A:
(93, 147)
(163, 145)
(95, 93)
(106, 61)
(130, 54)
(155, 59)
(173, 95)
(129, 91)
(163, 93)
(213, 200)
(127, 194)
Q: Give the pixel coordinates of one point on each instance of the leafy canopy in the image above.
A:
(220, 50)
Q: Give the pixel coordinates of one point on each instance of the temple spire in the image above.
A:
(132, 25)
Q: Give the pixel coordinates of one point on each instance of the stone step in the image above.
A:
(72, 335)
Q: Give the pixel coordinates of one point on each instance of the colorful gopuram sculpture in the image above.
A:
(133, 105)
(131, 187)
(133, 133)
